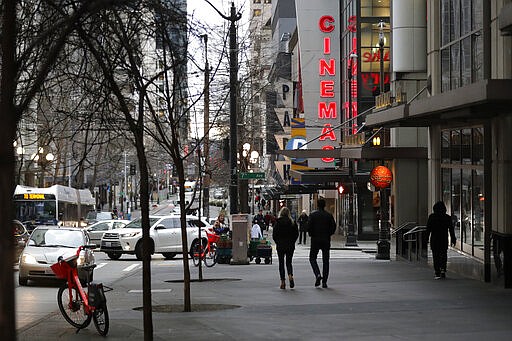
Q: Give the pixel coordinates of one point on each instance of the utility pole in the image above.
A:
(206, 128)
(233, 81)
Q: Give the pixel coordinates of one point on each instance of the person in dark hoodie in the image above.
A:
(439, 224)
(285, 233)
(321, 227)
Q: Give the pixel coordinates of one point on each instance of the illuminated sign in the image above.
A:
(33, 196)
(327, 110)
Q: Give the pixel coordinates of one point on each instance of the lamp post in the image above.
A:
(43, 159)
(351, 239)
(383, 244)
(381, 55)
(248, 157)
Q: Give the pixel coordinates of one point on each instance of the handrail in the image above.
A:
(402, 226)
(416, 229)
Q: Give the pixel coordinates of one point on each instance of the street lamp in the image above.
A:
(247, 157)
(381, 59)
(43, 159)
(383, 244)
(351, 239)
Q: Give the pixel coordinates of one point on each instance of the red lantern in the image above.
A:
(381, 177)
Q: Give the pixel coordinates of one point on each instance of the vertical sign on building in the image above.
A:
(318, 29)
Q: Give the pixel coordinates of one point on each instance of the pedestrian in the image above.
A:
(260, 220)
(439, 224)
(285, 234)
(303, 226)
(256, 231)
(321, 227)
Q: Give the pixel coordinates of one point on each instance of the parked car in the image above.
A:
(46, 245)
(21, 236)
(96, 230)
(165, 234)
(95, 216)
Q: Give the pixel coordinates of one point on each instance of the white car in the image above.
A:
(96, 230)
(165, 234)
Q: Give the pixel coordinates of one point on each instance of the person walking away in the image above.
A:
(260, 220)
(439, 224)
(285, 233)
(303, 227)
(256, 231)
(321, 227)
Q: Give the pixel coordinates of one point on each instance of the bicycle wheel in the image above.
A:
(73, 308)
(210, 258)
(100, 318)
(196, 251)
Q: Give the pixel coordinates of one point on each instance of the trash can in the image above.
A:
(240, 230)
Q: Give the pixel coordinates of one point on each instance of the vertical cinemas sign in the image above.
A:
(327, 105)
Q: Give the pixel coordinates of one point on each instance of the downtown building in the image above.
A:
(435, 111)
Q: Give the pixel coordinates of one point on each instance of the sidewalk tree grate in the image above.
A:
(178, 308)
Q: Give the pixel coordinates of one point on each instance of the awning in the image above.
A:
(359, 152)
(325, 177)
(477, 101)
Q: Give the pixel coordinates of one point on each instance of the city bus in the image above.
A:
(57, 204)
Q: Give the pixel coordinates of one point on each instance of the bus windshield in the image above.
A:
(42, 212)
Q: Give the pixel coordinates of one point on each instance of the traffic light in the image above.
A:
(132, 169)
(341, 189)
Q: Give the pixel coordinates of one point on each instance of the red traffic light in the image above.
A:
(340, 189)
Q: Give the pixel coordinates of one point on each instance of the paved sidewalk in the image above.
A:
(367, 299)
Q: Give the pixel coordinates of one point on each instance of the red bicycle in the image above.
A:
(205, 251)
(77, 306)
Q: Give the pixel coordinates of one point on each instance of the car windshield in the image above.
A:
(57, 237)
(137, 223)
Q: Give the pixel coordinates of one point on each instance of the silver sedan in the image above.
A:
(46, 245)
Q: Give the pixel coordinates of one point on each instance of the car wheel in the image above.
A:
(113, 255)
(138, 250)
(23, 281)
(169, 255)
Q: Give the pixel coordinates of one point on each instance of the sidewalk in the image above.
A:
(367, 299)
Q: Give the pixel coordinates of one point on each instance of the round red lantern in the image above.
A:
(381, 177)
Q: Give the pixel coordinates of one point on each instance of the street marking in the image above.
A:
(131, 267)
(138, 291)
(100, 265)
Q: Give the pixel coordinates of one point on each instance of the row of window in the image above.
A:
(461, 43)
(462, 186)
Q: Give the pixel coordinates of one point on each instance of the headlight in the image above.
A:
(131, 234)
(28, 259)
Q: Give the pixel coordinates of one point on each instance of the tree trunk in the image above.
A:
(7, 134)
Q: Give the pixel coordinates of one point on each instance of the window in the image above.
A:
(461, 43)
(462, 184)
(256, 13)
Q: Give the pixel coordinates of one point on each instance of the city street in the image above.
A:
(367, 299)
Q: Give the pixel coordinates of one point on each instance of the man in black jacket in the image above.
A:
(321, 227)
(439, 224)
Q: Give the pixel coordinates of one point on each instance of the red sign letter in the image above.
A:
(326, 111)
(328, 159)
(327, 89)
(325, 24)
(329, 67)
(327, 133)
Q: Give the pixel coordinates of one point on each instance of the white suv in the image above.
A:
(164, 232)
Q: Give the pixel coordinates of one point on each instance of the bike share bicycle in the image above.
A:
(205, 251)
(77, 306)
